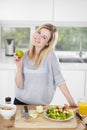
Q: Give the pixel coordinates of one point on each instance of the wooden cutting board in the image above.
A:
(41, 122)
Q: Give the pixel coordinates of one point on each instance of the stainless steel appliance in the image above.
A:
(9, 47)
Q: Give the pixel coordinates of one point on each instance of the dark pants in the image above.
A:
(17, 102)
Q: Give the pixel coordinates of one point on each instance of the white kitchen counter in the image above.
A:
(73, 66)
(7, 62)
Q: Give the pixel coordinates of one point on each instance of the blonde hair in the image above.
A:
(52, 42)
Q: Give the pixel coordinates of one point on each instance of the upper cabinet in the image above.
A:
(44, 10)
(33, 10)
(70, 10)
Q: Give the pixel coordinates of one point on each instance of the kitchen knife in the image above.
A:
(81, 118)
(26, 114)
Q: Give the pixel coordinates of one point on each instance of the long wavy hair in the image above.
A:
(52, 42)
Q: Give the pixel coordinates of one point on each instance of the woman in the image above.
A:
(38, 71)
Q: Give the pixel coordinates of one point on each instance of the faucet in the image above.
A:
(80, 47)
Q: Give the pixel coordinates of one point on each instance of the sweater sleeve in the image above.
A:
(56, 70)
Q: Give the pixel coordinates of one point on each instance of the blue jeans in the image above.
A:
(17, 102)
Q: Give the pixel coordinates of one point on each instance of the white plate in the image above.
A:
(71, 117)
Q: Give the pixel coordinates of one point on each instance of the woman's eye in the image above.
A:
(43, 37)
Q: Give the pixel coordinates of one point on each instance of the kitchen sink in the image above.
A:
(73, 60)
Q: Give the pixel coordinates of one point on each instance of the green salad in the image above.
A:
(59, 113)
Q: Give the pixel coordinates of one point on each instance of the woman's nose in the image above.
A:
(38, 37)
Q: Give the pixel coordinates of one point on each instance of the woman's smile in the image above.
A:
(36, 40)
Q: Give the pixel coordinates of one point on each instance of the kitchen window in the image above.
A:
(72, 39)
(19, 34)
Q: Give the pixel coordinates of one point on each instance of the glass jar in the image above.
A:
(82, 105)
(8, 100)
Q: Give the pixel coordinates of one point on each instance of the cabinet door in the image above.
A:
(32, 10)
(75, 81)
(70, 10)
(7, 84)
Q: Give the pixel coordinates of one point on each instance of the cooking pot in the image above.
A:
(9, 47)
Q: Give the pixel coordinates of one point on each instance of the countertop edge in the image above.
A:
(7, 62)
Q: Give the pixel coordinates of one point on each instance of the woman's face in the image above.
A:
(40, 38)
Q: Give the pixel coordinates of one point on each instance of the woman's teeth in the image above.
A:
(37, 41)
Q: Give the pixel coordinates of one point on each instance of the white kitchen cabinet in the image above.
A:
(75, 80)
(70, 10)
(30, 10)
(7, 84)
(44, 10)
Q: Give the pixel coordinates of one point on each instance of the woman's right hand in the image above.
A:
(18, 61)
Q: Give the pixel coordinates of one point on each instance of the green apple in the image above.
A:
(19, 53)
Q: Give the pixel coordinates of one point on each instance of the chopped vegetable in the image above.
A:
(60, 113)
(39, 109)
(34, 115)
